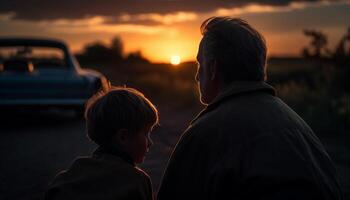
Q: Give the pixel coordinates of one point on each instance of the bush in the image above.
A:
(322, 111)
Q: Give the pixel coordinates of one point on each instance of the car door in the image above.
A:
(49, 86)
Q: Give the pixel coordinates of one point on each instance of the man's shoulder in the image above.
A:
(250, 113)
(225, 113)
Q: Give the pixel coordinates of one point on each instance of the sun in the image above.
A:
(175, 60)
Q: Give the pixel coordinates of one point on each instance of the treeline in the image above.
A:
(318, 47)
(112, 53)
(334, 63)
(318, 87)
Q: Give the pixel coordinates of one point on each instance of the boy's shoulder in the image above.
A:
(112, 174)
(101, 166)
(142, 174)
(119, 164)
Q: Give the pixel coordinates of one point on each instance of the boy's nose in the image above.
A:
(150, 143)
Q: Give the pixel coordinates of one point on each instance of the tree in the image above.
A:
(117, 48)
(112, 54)
(136, 56)
(96, 51)
(318, 44)
(341, 52)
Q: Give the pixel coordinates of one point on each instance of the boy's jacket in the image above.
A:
(101, 176)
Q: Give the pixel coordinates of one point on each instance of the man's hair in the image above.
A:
(118, 108)
(239, 50)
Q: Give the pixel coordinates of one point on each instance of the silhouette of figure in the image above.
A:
(246, 143)
(119, 122)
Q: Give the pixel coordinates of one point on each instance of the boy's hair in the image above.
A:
(118, 108)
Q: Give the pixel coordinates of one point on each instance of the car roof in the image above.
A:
(22, 41)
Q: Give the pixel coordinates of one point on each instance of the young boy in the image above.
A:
(119, 122)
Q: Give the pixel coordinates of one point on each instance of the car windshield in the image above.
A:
(38, 57)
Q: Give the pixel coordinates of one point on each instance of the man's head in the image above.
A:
(121, 118)
(230, 50)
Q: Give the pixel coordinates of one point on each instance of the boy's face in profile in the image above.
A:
(138, 144)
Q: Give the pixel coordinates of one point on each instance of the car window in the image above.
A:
(39, 57)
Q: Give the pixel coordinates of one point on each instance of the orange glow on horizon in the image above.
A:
(158, 47)
(162, 49)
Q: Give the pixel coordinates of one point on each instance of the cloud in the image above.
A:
(91, 21)
(158, 18)
(123, 28)
(37, 10)
(99, 25)
(96, 24)
(259, 8)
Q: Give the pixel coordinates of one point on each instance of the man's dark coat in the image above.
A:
(248, 144)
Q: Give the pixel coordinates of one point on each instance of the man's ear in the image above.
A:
(214, 70)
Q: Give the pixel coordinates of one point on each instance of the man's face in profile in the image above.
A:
(205, 78)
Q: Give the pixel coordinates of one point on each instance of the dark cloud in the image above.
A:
(75, 9)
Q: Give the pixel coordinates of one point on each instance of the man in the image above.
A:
(246, 143)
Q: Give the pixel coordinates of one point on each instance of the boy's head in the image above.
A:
(121, 118)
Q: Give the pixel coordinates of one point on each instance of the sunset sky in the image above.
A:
(162, 29)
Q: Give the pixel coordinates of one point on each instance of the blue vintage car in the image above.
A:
(44, 73)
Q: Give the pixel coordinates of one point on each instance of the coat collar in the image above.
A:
(235, 89)
(114, 152)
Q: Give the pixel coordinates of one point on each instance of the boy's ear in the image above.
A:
(122, 136)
